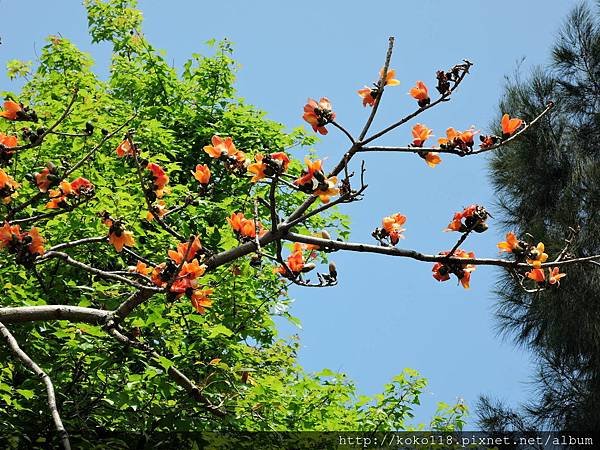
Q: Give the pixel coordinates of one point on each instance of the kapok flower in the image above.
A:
(269, 165)
(159, 209)
(224, 148)
(159, 179)
(81, 186)
(200, 300)
(536, 275)
(392, 226)
(12, 238)
(11, 110)
(432, 158)
(389, 77)
(142, 268)
(8, 187)
(124, 149)
(9, 233)
(442, 270)
(202, 174)
(554, 276)
(327, 189)
(420, 134)
(369, 95)
(421, 94)
(511, 245)
(245, 228)
(295, 263)
(509, 126)
(537, 256)
(474, 219)
(318, 114)
(36, 246)
(118, 236)
(308, 174)
(45, 178)
(183, 252)
(77, 188)
(8, 141)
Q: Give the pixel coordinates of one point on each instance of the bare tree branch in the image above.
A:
(31, 365)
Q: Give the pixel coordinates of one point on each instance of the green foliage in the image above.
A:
(232, 352)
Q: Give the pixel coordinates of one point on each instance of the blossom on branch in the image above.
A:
(370, 95)
(117, 235)
(442, 270)
(536, 255)
(7, 144)
(421, 94)
(159, 179)
(420, 134)
(474, 217)
(124, 149)
(8, 187)
(26, 246)
(554, 276)
(11, 110)
(391, 228)
(318, 114)
(46, 178)
(245, 229)
(59, 198)
(202, 174)
(186, 251)
(268, 165)
(509, 126)
(312, 181)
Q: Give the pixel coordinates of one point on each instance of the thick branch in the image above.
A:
(31, 365)
(20, 314)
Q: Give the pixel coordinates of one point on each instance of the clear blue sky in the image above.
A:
(387, 313)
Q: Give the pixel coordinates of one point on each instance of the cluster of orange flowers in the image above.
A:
(455, 139)
(391, 228)
(185, 282)
(441, 271)
(7, 145)
(245, 229)
(8, 187)
(534, 255)
(313, 181)
(59, 198)
(318, 114)
(370, 95)
(25, 245)
(46, 178)
(474, 217)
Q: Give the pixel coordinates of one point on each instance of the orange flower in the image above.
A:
(537, 256)
(456, 224)
(509, 126)
(511, 244)
(124, 149)
(121, 239)
(318, 114)
(8, 141)
(467, 137)
(157, 275)
(11, 110)
(81, 186)
(8, 186)
(258, 168)
(202, 174)
(442, 271)
(159, 208)
(224, 147)
(393, 227)
(308, 174)
(192, 269)
(142, 268)
(295, 263)
(420, 93)
(200, 300)
(159, 179)
(9, 233)
(368, 95)
(451, 134)
(36, 246)
(325, 193)
(42, 180)
(183, 252)
(245, 228)
(554, 276)
(420, 134)
(432, 159)
(536, 275)
(389, 78)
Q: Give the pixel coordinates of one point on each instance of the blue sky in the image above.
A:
(387, 313)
